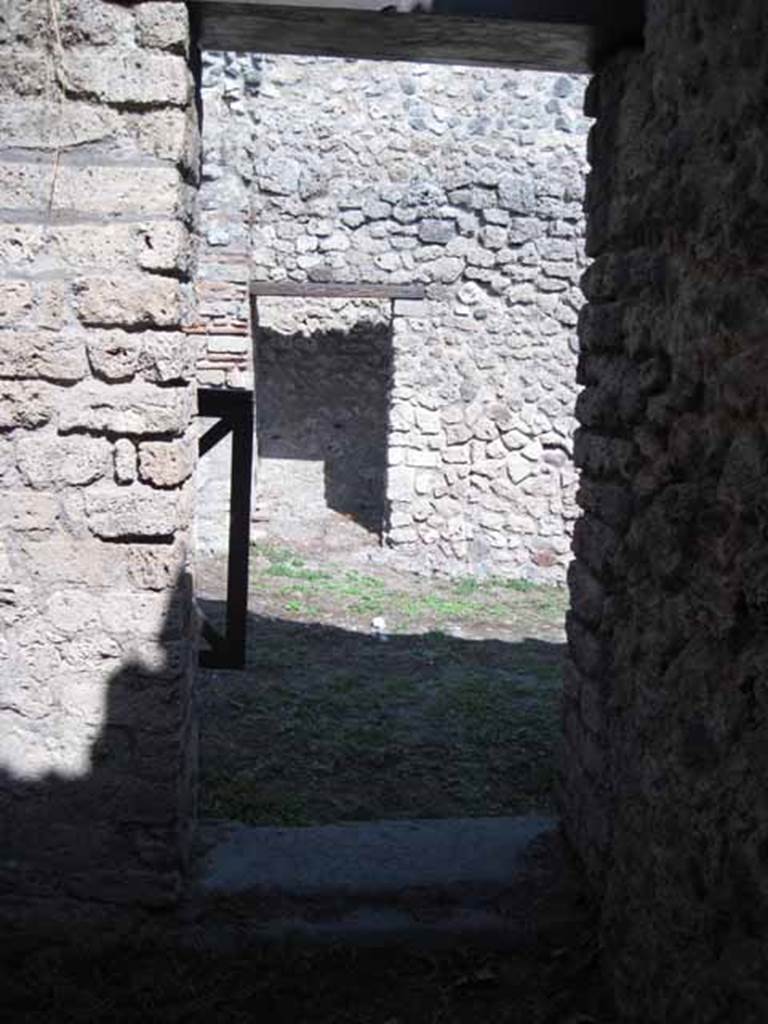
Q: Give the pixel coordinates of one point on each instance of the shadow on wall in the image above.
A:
(322, 407)
(116, 830)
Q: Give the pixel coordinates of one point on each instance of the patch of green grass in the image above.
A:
(302, 608)
(520, 586)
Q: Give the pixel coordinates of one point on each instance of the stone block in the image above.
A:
(141, 79)
(400, 483)
(26, 404)
(402, 535)
(28, 510)
(163, 25)
(456, 454)
(458, 433)
(376, 209)
(84, 23)
(72, 610)
(437, 232)
(413, 308)
(118, 302)
(143, 613)
(42, 354)
(428, 421)
(516, 194)
(122, 513)
(493, 236)
(16, 301)
(212, 378)
(422, 459)
(166, 464)
(47, 461)
(101, 189)
(228, 343)
(23, 73)
(125, 461)
(163, 246)
(114, 355)
(280, 176)
(63, 559)
(135, 409)
(401, 416)
(519, 468)
(157, 567)
(168, 357)
(445, 269)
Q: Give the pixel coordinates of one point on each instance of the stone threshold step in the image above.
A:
(506, 881)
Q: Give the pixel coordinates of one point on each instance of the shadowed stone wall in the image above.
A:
(97, 171)
(467, 181)
(665, 768)
(323, 379)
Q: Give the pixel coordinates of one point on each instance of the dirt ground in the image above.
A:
(373, 694)
(131, 984)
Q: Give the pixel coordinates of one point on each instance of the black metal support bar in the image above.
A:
(213, 435)
(235, 411)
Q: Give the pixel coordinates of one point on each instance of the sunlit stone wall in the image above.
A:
(466, 181)
(97, 176)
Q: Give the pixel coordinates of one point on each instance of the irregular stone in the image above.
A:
(375, 209)
(28, 511)
(437, 232)
(166, 464)
(135, 409)
(26, 405)
(518, 468)
(516, 194)
(49, 461)
(400, 483)
(125, 461)
(124, 513)
(143, 79)
(114, 355)
(150, 302)
(428, 421)
(162, 26)
(42, 354)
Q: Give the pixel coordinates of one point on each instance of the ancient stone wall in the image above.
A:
(664, 789)
(97, 173)
(468, 182)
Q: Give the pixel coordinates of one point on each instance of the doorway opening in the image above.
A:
(415, 681)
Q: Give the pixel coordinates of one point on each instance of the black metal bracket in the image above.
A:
(234, 412)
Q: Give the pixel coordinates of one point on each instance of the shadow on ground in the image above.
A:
(160, 967)
(328, 724)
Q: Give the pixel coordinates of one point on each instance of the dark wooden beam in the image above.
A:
(328, 290)
(547, 35)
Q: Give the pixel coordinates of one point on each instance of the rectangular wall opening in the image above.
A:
(414, 490)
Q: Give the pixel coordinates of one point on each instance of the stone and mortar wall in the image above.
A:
(666, 716)
(98, 158)
(468, 181)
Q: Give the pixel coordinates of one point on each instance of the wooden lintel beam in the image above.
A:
(333, 290)
(547, 35)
